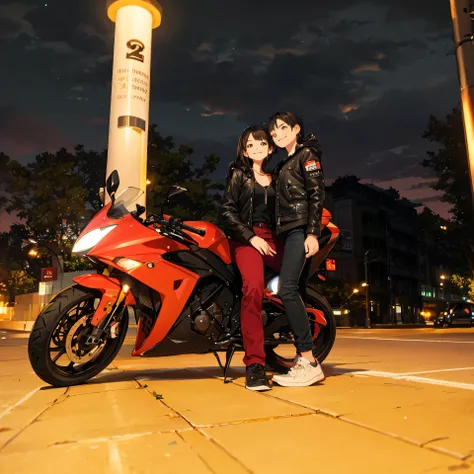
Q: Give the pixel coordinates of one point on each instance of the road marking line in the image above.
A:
(17, 404)
(115, 461)
(413, 378)
(398, 339)
(456, 369)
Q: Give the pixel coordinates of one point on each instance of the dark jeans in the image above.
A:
(294, 260)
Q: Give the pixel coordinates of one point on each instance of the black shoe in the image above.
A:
(256, 378)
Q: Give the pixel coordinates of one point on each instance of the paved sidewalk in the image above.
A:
(175, 415)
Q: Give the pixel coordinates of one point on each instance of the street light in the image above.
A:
(355, 291)
(130, 99)
(443, 227)
(55, 256)
(443, 277)
(33, 253)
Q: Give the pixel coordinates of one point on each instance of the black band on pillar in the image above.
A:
(131, 121)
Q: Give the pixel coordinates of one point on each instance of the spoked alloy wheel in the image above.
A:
(56, 346)
(323, 336)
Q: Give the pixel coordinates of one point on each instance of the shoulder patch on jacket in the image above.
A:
(312, 165)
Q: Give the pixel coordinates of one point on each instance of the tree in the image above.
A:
(465, 284)
(18, 282)
(450, 166)
(56, 195)
(167, 166)
(17, 275)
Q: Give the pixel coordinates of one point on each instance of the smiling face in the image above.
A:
(257, 149)
(284, 135)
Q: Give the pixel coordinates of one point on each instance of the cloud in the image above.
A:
(22, 134)
(416, 189)
(13, 21)
(373, 67)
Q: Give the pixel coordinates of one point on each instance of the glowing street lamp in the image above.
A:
(355, 291)
(130, 101)
(33, 253)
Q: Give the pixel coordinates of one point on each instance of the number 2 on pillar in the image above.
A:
(136, 52)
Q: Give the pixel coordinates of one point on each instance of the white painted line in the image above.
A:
(115, 461)
(456, 369)
(399, 339)
(17, 404)
(413, 378)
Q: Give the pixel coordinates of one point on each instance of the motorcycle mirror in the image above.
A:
(113, 182)
(175, 191)
(140, 210)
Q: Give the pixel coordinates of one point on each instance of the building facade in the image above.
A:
(379, 236)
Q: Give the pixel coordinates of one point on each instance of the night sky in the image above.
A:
(363, 75)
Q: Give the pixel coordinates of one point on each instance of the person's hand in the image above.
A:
(311, 245)
(261, 245)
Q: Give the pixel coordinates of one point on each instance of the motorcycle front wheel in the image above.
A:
(323, 336)
(55, 349)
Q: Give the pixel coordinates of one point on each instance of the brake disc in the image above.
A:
(73, 350)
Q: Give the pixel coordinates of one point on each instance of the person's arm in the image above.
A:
(310, 161)
(229, 216)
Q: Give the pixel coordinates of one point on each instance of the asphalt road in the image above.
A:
(410, 387)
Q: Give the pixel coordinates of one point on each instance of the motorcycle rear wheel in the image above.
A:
(56, 336)
(322, 344)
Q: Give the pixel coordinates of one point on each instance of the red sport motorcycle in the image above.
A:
(178, 279)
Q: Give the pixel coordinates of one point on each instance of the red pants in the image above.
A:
(250, 263)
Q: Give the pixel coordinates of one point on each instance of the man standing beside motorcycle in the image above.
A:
(299, 194)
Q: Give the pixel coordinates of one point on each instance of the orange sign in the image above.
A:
(331, 264)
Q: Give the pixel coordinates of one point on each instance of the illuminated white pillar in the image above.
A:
(130, 101)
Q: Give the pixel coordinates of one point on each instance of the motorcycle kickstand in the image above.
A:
(228, 358)
(229, 353)
(216, 355)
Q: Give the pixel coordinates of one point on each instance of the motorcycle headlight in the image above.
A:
(274, 285)
(91, 239)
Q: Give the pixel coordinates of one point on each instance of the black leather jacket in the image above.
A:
(299, 189)
(236, 211)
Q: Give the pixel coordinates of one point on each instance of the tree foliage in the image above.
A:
(465, 284)
(450, 165)
(17, 275)
(56, 194)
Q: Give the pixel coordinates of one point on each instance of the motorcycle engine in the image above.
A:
(205, 317)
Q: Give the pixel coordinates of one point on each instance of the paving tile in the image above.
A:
(98, 415)
(22, 415)
(93, 459)
(410, 410)
(159, 453)
(214, 456)
(210, 401)
(318, 443)
(102, 387)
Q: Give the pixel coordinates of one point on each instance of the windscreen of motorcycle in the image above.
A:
(124, 203)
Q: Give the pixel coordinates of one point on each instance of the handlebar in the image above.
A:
(176, 223)
(194, 230)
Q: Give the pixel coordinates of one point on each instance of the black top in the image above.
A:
(264, 204)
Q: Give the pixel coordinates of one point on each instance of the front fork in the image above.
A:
(114, 297)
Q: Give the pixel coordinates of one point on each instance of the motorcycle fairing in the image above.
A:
(110, 289)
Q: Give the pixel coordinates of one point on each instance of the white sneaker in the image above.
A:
(303, 374)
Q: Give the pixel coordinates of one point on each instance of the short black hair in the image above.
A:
(290, 119)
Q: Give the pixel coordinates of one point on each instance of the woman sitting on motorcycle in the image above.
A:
(247, 217)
